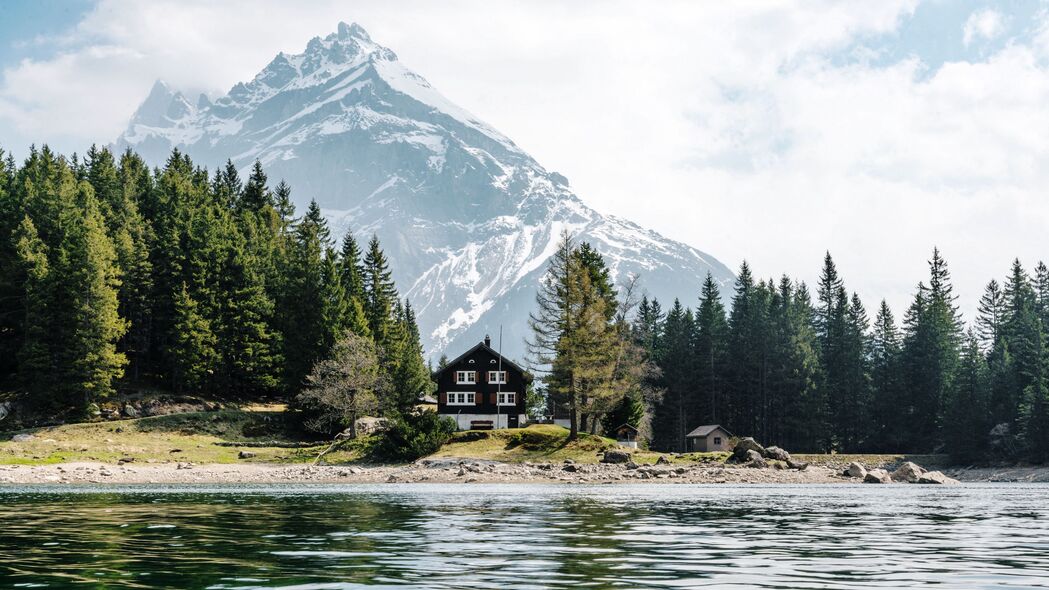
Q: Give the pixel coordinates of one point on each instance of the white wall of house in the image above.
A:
(463, 420)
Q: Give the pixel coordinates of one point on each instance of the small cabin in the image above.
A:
(626, 436)
(708, 438)
(482, 390)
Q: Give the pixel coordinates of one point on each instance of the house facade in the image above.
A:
(708, 438)
(482, 390)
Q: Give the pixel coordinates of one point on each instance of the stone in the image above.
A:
(663, 460)
(245, 455)
(743, 446)
(570, 467)
(908, 472)
(631, 465)
(369, 425)
(798, 465)
(569, 461)
(755, 460)
(877, 476)
(855, 470)
(131, 411)
(935, 478)
(23, 437)
(777, 454)
(6, 408)
(124, 460)
(615, 456)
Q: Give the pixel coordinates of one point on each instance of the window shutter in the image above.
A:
(479, 398)
(493, 397)
(442, 398)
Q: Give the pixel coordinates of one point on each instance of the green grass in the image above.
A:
(539, 443)
(198, 437)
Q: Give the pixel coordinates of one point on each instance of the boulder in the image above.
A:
(799, 465)
(877, 476)
(908, 472)
(663, 460)
(855, 470)
(743, 446)
(245, 455)
(777, 454)
(755, 460)
(631, 465)
(131, 411)
(615, 456)
(936, 478)
(23, 437)
(570, 467)
(369, 425)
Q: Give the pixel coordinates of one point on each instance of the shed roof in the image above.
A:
(625, 425)
(707, 429)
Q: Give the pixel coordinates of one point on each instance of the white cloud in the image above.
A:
(736, 125)
(983, 24)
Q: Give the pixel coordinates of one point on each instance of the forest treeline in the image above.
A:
(114, 274)
(815, 373)
(807, 372)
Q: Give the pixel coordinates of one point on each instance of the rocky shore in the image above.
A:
(432, 471)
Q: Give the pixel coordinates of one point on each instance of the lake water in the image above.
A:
(522, 536)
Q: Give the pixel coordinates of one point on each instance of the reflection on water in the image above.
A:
(474, 536)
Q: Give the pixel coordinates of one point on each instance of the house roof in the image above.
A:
(625, 425)
(707, 429)
(506, 361)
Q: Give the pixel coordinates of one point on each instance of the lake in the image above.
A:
(525, 536)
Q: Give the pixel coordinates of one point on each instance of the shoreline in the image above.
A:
(463, 471)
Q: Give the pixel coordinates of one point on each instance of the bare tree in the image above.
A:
(345, 386)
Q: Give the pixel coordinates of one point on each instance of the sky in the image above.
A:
(768, 131)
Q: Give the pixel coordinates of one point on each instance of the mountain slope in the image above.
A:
(467, 218)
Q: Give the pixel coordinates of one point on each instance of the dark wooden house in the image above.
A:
(480, 389)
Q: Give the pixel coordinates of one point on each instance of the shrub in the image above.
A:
(413, 436)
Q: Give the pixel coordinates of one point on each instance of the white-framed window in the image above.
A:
(507, 398)
(497, 377)
(462, 398)
(466, 377)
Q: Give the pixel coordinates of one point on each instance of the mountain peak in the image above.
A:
(352, 31)
(162, 106)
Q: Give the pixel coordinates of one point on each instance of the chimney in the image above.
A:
(487, 341)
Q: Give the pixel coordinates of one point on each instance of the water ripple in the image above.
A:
(525, 537)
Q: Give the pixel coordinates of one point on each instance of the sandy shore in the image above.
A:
(442, 471)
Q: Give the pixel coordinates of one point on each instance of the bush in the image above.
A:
(413, 436)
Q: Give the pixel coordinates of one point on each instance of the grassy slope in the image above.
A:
(212, 437)
(179, 437)
(544, 443)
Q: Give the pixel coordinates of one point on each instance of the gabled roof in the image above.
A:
(621, 426)
(707, 429)
(506, 361)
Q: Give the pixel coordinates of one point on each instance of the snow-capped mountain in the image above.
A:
(467, 218)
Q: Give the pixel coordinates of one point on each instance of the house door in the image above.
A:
(511, 421)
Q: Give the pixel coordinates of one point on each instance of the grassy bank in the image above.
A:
(219, 437)
(198, 437)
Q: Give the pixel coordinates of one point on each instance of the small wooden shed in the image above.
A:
(626, 436)
(708, 438)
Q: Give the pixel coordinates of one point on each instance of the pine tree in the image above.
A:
(256, 196)
(991, 312)
(380, 295)
(304, 306)
(710, 347)
(931, 348)
(675, 356)
(192, 350)
(889, 409)
(965, 424)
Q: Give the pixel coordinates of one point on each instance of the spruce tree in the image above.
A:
(966, 420)
(710, 347)
(380, 295)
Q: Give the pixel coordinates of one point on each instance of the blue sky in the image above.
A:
(770, 131)
(23, 21)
